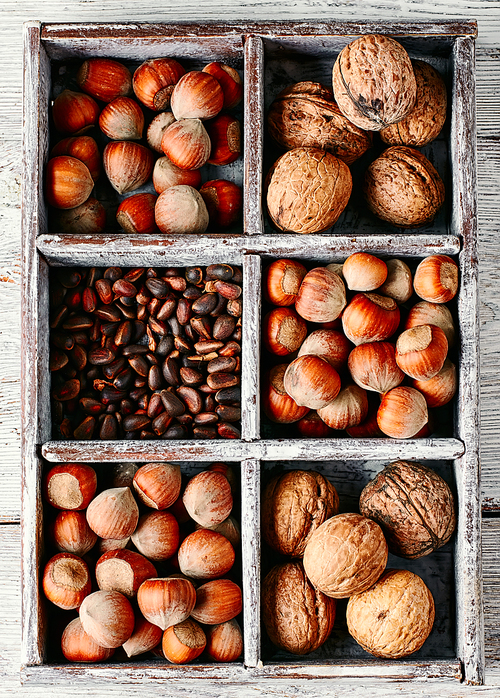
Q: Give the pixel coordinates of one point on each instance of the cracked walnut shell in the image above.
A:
(426, 119)
(394, 617)
(306, 114)
(414, 507)
(345, 555)
(294, 504)
(373, 82)
(298, 618)
(307, 190)
(403, 187)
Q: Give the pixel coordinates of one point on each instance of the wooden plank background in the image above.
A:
(12, 14)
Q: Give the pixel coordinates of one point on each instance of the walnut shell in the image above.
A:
(298, 618)
(403, 187)
(427, 117)
(414, 507)
(308, 188)
(373, 82)
(306, 114)
(294, 504)
(394, 617)
(345, 555)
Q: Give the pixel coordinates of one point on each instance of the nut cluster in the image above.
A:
(194, 132)
(159, 554)
(146, 353)
(403, 358)
(407, 509)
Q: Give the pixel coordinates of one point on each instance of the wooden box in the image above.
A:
(270, 56)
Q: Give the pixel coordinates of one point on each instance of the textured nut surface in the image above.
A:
(414, 507)
(345, 555)
(298, 617)
(294, 504)
(373, 82)
(308, 189)
(403, 187)
(394, 618)
(426, 119)
(306, 114)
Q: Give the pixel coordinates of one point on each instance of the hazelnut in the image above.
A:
(421, 351)
(364, 272)
(208, 498)
(166, 601)
(77, 646)
(373, 82)
(82, 148)
(229, 529)
(87, 219)
(345, 555)
(348, 409)
(136, 214)
(282, 280)
(283, 331)
(128, 165)
(399, 282)
(104, 79)
(329, 344)
(66, 580)
(425, 313)
(278, 406)
(298, 618)
(68, 182)
(294, 504)
(70, 486)
(122, 120)
(373, 366)
(225, 139)
(402, 412)
(156, 129)
(74, 112)
(439, 389)
(414, 507)
(154, 81)
(425, 121)
(123, 571)
(313, 427)
(166, 174)
(183, 642)
(197, 95)
(217, 602)
(144, 638)
(403, 187)
(186, 143)
(157, 535)
(158, 484)
(436, 279)
(72, 534)
(180, 209)
(307, 190)
(321, 296)
(108, 618)
(205, 554)
(311, 381)
(224, 202)
(224, 641)
(370, 317)
(394, 618)
(229, 80)
(113, 513)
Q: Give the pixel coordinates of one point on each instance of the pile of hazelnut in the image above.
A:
(193, 132)
(159, 555)
(369, 343)
(408, 510)
(375, 87)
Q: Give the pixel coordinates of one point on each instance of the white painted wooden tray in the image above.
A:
(270, 55)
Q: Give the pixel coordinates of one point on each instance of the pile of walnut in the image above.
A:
(376, 87)
(188, 130)
(159, 555)
(367, 344)
(408, 509)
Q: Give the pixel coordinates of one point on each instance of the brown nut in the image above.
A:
(113, 513)
(403, 187)
(205, 554)
(66, 580)
(373, 82)
(294, 505)
(77, 646)
(217, 601)
(144, 638)
(329, 344)
(298, 617)
(402, 412)
(277, 404)
(157, 535)
(414, 507)
(426, 119)
(208, 498)
(349, 408)
(183, 642)
(123, 571)
(311, 381)
(71, 533)
(345, 555)
(158, 484)
(306, 114)
(394, 618)
(224, 641)
(166, 601)
(108, 618)
(308, 189)
(321, 296)
(70, 486)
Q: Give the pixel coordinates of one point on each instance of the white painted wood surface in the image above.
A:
(12, 14)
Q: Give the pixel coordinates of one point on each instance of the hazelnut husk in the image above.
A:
(307, 190)
(298, 618)
(294, 504)
(425, 121)
(403, 187)
(414, 507)
(394, 618)
(306, 114)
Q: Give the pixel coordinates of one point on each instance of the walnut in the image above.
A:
(394, 617)
(427, 117)
(307, 190)
(294, 504)
(414, 507)
(306, 114)
(373, 82)
(298, 618)
(403, 187)
(345, 555)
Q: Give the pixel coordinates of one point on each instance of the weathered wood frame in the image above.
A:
(41, 250)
